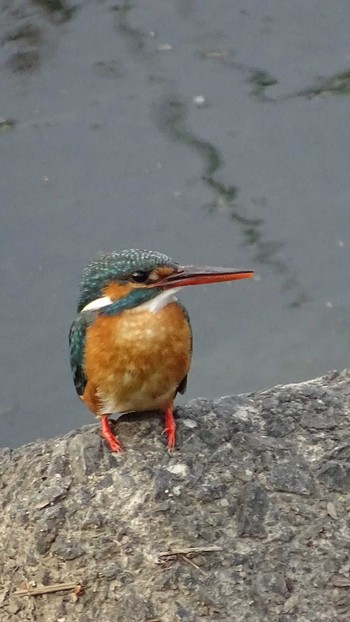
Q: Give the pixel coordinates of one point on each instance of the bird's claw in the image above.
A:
(170, 428)
(109, 437)
(170, 432)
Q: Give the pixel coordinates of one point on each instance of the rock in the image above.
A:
(335, 475)
(254, 500)
(267, 583)
(319, 421)
(48, 528)
(253, 507)
(290, 477)
(53, 492)
(67, 549)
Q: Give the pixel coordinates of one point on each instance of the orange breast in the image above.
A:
(135, 361)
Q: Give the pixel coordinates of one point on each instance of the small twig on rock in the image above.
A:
(189, 561)
(194, 550)
(185, 554)
(341, 581)
(48, 589)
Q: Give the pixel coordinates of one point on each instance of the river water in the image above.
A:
(217, 133)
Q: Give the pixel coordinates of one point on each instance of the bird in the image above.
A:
(131, 340)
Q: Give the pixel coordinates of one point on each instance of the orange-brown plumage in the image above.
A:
(136, 361)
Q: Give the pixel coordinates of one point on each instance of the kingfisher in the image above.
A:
(131, 341)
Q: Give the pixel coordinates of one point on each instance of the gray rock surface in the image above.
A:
(263, 477)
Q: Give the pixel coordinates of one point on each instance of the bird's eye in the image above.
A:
(139, 276)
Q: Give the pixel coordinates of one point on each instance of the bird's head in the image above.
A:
(126, 279)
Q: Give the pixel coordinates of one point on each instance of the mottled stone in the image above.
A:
(48, 527)
(290, 477)
(163, 484)
(43, 540)
(178, 469)
(105, 482)
(253, 507)
(278, 426)
(59, 464)
(67, 549)
(265, 443)
(319, 421)
(111, 571)
(182, 614)
(267, 582)
(135, 608)
(85, 454)
(53, 492)
(237, 407)
(335, 475)
(93, 520)
(341, 452)
(211, 490)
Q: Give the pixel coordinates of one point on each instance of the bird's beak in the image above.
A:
(193, 275)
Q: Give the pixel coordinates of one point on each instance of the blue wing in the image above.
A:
(183, 384)
(77, 336)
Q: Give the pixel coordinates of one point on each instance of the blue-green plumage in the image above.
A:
(77, 335)
(117, 266)
(133, 299)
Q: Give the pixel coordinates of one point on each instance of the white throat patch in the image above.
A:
(160, 301)
(94, 305)
(152, 306)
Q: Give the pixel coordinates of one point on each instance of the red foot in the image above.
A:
(170, 428)
(108, 435)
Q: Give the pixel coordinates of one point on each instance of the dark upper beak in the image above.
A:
(193, 275)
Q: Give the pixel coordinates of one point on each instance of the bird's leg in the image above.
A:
(108, 435)
(170, 427)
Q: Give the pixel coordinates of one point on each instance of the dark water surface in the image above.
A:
(216, 132)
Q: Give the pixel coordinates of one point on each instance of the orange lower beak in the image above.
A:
(192, 275)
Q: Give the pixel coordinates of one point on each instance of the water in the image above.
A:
(215, 134)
